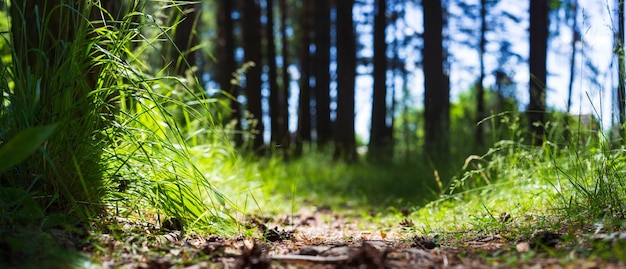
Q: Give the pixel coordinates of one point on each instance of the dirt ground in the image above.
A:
(319, 239)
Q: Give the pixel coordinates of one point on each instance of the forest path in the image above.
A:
(320, 238)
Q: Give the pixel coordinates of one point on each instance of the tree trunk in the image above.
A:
(276, 105)
(286, 79)
(182, 51)
(538, 72)
(573, 10)
(379, 140)
(621, 85)
(345, 143)
(226, 64)
(480, 90)
(572, 66)
(252, 48)
(304, 103)
(436, 84)
(322, 71)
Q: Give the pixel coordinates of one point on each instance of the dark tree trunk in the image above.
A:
(480, 90)
(226, 64)
(379, 139)
(575, 39)
(276, 101)
(322, 71)
(183, 54)
(573, 10)
(284, 97)
(304, 104)
(621, 85)
(436, 84)
(345, 144)
(538, 72)
(252, 47)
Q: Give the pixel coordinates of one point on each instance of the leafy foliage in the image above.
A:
(22, 145)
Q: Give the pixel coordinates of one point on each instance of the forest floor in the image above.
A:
(321, 238)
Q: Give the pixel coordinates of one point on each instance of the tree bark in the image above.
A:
(621, 69)
(322, 72)
(539, 23)
(182, 51)
(252, 48)
(286, 79)
(304, 103)
(226, 65)
(480, 90)
(276, 105)
(573, 11)
(575, 39)
(436, 84)
(345, 142)
(378, 133)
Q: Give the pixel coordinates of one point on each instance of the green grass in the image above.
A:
(536, 186)
(574, 187)
(320, 180)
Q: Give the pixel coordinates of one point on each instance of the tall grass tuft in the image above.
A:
(165, 147)
(576, 176)
(592, 169)
(52, 80)
(129, 139)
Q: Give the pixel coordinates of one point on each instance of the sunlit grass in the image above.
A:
(517, 190)
(513, 189)
(317, 179)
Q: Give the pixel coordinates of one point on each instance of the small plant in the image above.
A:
(590, 182)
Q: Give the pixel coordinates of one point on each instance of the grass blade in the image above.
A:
(23, 144)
